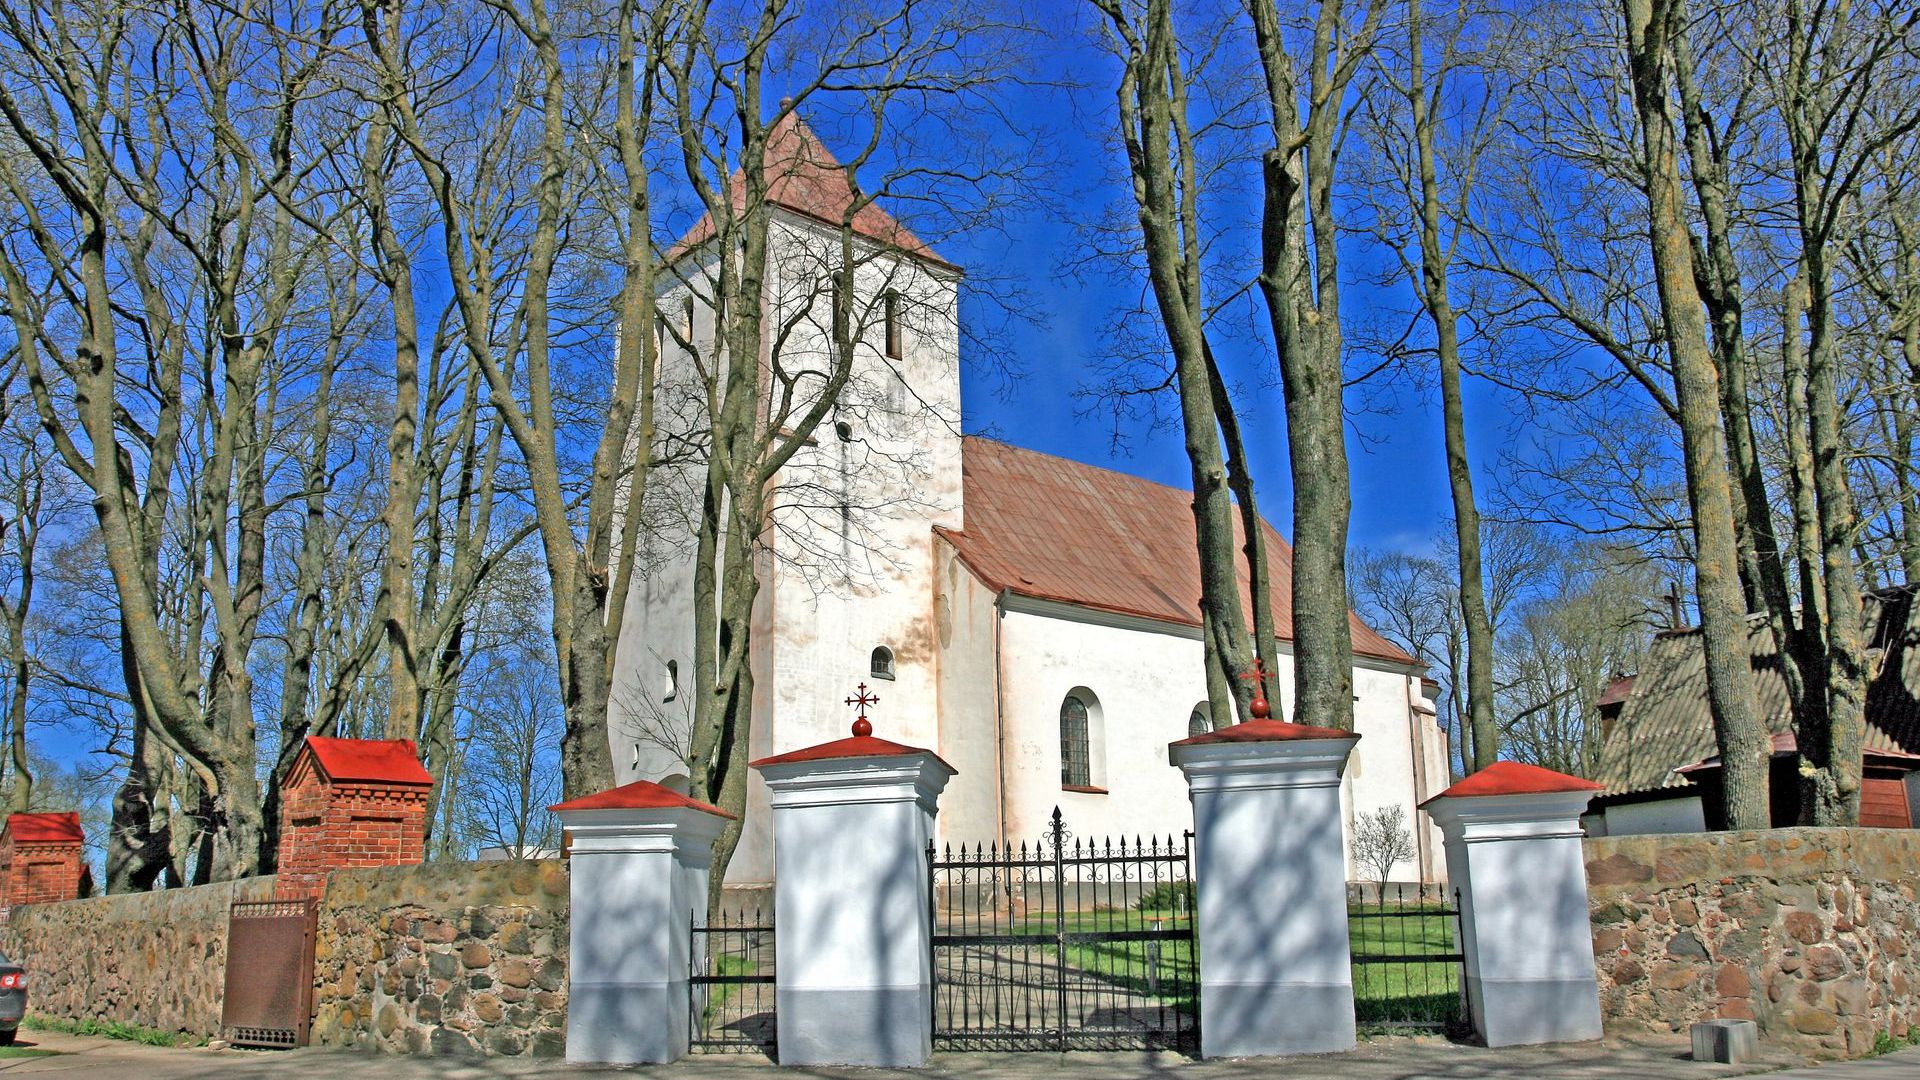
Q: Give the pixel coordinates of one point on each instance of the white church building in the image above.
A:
(1033, 620)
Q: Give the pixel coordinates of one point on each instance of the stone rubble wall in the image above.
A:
(449, 958)
(1812, 933)
(455, 958)
(156, 959)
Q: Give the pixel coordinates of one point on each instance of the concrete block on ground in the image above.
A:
(1729, 1042)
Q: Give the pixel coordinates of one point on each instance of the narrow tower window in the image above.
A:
(881, 666)
(893, 324)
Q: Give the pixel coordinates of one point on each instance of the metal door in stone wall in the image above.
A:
(269, 985)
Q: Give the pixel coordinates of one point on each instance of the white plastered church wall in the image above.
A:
(1147, 678)
(966, 618)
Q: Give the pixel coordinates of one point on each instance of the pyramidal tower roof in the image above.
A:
(804, 178)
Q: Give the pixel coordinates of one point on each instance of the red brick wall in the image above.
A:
(326, 827)
(39, 873)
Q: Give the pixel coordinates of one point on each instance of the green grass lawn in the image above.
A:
(1384, 993)
(720, 995)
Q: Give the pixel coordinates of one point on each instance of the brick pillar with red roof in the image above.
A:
(1513, 850)
(349, 803)
(42, 859)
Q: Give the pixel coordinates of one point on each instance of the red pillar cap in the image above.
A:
(1515, 778)
(639, 795)
(1266, 731)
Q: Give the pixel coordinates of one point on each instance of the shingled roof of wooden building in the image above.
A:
(1666, 724)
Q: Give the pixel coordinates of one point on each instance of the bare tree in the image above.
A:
(1739, 729)
(513, 743)
(1431, 179)
(1163, 156)
(1381, 842)
(25, 512)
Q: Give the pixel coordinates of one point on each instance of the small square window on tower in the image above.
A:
(893, 324)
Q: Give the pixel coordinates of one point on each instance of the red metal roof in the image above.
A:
(802, 176)
(1616, 693)
(384, 761)
(1046, 527)
(1515, 778)
(855, 746)
(639, 795)
(1266, 731)
(54, 828)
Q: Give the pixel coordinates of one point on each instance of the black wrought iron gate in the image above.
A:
(1408, 970)
(1064, 945)
(730, 987)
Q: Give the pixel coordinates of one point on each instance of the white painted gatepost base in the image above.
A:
(1270, 876)
(1513, 850)
(639, 861)
(852, 820)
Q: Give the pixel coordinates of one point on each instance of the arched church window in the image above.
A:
(1076, 756)
(844, 430)
(671, 687)
(1200, 720)
(881, 666)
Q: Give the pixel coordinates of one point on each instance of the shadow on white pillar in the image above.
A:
(639, 859)
(1270, 876)
(1513, 850)
(853, 925)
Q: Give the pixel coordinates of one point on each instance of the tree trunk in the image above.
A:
(1439, 308)
(1299, 281)
(1740, 730)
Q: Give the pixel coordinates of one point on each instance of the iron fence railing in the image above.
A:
(1407, 963)
(731, 985)
(1065, 944)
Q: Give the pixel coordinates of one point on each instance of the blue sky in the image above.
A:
(1399, 483)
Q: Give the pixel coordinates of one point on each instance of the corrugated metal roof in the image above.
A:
(1667, 722)
(1046, 527)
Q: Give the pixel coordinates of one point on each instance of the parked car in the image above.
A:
(13, 998)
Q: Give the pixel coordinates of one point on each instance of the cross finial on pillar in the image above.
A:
(861, 727)
(1258, 676)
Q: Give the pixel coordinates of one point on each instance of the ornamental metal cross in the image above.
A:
(1258, 708)
(860, 701)
(863, 699)
(1258, 676)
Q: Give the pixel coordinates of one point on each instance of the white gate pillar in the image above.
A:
(639, 860)
(1270, 873)
(853, 924)
(1513, 851)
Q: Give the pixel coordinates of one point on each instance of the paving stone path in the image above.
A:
(1380, 1059)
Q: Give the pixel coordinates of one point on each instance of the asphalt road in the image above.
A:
(1384, 1059)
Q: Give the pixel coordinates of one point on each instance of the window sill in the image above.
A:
(1084, 789)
